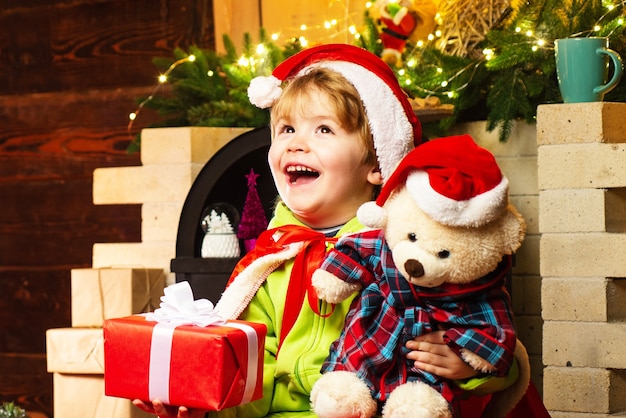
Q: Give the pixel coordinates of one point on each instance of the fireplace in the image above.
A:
(221, 182)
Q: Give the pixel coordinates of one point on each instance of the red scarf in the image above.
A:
(308, 259)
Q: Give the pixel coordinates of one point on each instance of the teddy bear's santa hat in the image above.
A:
(451, 179)
(393, 123)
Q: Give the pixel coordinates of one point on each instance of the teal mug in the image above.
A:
(582, 67)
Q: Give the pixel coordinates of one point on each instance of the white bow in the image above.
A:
(179, 308)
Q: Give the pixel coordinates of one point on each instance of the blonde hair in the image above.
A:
(343, 98)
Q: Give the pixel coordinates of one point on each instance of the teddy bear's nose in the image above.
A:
(414, 268)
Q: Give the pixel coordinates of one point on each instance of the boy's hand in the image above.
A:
(432, 355)
(165, 411)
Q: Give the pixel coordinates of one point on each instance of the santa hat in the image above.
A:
(451, 179)
(392, 121)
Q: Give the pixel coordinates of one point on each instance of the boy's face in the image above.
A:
(318, 166)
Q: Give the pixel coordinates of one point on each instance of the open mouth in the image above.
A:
(301, 174)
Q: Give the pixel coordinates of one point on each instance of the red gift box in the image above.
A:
(209, 368)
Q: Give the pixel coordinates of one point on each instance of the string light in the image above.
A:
(162, 80)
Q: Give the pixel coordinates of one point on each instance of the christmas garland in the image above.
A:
(501, 78)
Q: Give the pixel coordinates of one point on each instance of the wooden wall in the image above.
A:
(70, 72)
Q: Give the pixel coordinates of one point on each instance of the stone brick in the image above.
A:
(521, 173)
(583, 255)
(575, 298)
(527, 256)
(584, 344)
(529, 330)
(159, 221)
(581, 122)
(528, 206)
(572, 210)
(579, 166)
(153, 183)
(526, 294)
(184, 144)
(583, 389)
(134, 254)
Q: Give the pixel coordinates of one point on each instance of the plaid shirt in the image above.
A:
(390, 311)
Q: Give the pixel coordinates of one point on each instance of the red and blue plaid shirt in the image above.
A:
(390, 311)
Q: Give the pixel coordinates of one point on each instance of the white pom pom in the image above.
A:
(372, 215)
(263, 91)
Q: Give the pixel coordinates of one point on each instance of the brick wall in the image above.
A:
(582, 201)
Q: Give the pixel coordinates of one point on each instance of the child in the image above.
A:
(339, 128)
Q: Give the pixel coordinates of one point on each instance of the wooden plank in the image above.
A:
(26, 382)
(78, 45)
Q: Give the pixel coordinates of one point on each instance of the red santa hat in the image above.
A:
(451, 179)
(392, 121)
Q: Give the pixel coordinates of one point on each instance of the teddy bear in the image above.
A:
(400, 21)
(436, 256)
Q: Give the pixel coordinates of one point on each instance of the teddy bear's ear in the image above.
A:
(372, 215)
(514, 228)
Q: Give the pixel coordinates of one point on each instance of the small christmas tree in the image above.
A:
(253, 219)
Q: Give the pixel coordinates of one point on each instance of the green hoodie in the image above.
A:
(289, 377)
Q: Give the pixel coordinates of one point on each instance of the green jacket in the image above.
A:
(289, 377)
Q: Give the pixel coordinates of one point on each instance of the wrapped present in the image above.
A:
(75, 350)
(99, 294)
(82, 395)
(184, 354)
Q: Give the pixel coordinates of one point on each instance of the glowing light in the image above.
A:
(132, 116)
(444, 83)
(620, 21)
(431, 36)
(302, 27)
(243, 61)
(275, 36)
(411, 63)
(451, 94)
(327, 24)
(439, 70)
(352, 29)
(518, 29)
(420, 43)
(210, 73)
(596, 28)
(534, 48)
(401, 72)
(191, 58)
(260, 49)
(529, 33)
(438, 34)
(407, 81)
(162, 78)
(541, 42)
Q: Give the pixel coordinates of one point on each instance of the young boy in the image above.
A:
(339, 128)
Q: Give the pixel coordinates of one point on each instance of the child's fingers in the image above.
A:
(166, 411)
(144, 406)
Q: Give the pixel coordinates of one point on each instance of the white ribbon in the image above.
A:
(179, 308)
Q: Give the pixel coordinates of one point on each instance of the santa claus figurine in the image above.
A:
(401, 20)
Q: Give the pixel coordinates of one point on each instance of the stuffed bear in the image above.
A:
(437, 258)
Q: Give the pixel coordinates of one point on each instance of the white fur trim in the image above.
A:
(372, 215)
(238, 294)
(264, 91)
(476, 211)
(390, 126)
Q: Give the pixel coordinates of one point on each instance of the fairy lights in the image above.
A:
(345, 26)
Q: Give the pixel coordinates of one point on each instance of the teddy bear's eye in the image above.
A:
(443, 254)
(411, 236)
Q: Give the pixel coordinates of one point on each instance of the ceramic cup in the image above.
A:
(582, 67)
